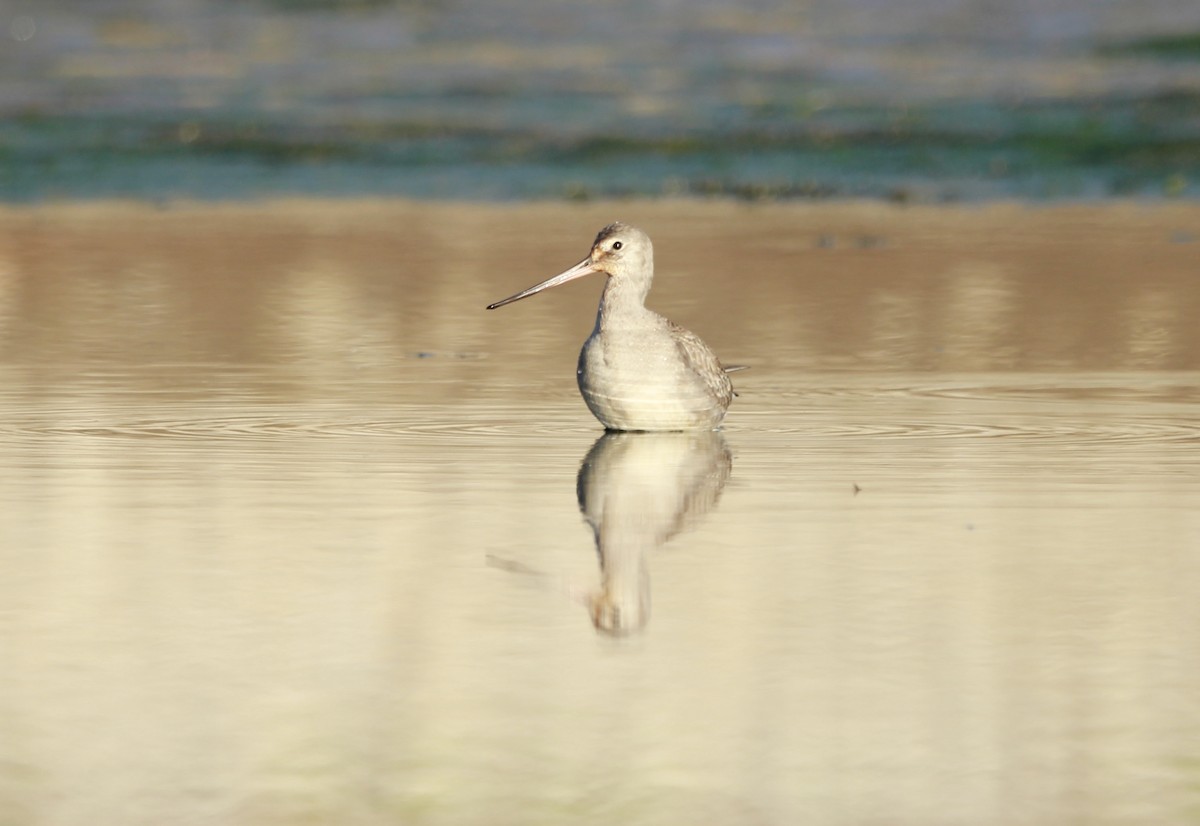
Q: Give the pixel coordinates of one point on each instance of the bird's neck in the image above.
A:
(622, 305)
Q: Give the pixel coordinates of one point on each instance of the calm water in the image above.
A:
(292, 531)
(925, 100)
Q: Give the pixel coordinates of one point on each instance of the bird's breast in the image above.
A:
(640, 380)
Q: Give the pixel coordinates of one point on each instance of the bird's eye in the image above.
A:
(617, 245)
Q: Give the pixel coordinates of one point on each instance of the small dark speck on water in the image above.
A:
(510, 565)
(857, 489)
(461, 356)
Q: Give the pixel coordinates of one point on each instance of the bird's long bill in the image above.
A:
(581, 269)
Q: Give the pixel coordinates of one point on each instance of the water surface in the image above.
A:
(293, 531)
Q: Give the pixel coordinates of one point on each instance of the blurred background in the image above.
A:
(930, 100)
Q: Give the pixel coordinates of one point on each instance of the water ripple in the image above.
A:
(811, 425)
(287, 427)
(1063, 432)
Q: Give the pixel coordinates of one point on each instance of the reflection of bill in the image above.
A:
(637, 490)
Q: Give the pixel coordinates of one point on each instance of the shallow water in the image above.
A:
(293, 531)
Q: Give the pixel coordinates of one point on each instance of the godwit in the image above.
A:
(637, 370)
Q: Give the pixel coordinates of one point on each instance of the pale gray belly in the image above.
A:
(635, 381)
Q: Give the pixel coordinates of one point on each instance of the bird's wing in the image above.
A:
(702, 361)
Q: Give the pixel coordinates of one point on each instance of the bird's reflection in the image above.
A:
(637, 490)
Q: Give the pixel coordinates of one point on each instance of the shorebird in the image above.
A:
(637, 370)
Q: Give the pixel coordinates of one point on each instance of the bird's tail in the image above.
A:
(735, 368)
